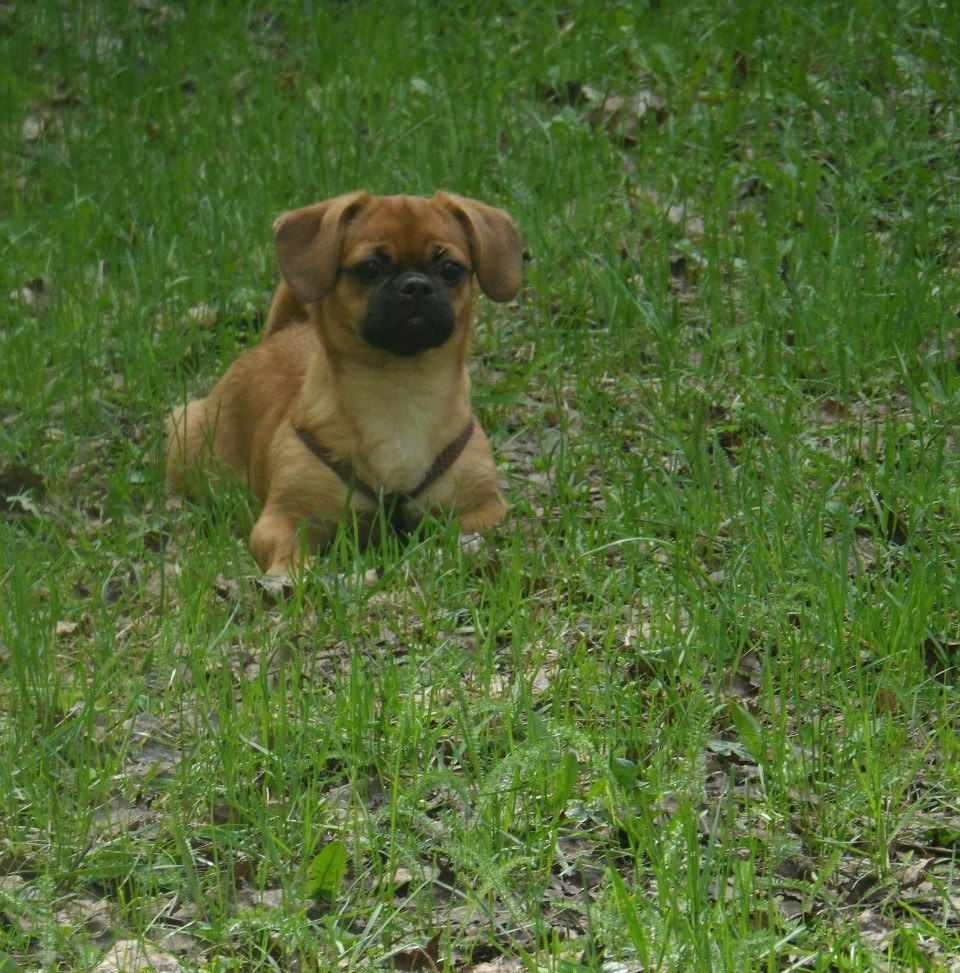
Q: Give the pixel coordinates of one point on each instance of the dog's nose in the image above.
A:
(414, 285)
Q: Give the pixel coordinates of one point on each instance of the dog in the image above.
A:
(356, 401)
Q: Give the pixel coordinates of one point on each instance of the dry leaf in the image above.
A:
(32, 129)
(130, 956)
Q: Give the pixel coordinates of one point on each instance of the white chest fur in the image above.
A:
(404, 426)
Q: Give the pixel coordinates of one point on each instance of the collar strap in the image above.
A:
(345, 471)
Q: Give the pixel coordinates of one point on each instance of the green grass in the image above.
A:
(695, 706)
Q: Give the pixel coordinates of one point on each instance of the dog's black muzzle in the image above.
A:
(409, 314)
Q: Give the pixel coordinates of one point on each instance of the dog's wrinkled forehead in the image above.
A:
(409, 230)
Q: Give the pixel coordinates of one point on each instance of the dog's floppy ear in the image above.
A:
(308, 243)
(494, 242)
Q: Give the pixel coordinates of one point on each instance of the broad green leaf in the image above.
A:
(625, 772)
(327, 871)
(7, 964)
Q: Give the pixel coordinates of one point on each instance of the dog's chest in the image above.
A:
(401, 441)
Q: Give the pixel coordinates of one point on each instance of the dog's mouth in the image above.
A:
(407, 327)
(409, 336)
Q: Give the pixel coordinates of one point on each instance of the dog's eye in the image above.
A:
(367, 271)
(451, 271)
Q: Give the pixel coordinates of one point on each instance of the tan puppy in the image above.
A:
(358, 393)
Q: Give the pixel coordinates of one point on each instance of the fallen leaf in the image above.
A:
(32, 129)
(203, 315)
(419, 957)
(130, 956)
(501, 964)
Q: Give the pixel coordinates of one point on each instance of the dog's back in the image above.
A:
(231, 429)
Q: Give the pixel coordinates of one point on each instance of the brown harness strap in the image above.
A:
(391, 501)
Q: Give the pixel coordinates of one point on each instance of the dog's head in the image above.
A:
(396, 273)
